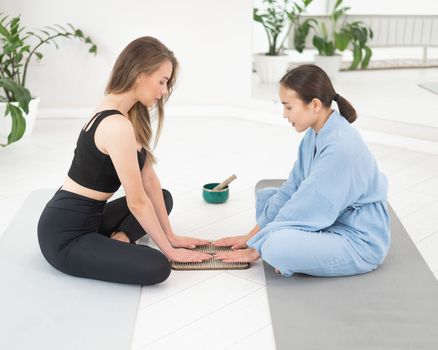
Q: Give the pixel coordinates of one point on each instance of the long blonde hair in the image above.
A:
(143, 55)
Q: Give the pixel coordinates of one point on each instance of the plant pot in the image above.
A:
(271, 68)
(330, 64)
(6, 122)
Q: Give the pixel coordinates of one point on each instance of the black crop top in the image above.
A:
(92, 168)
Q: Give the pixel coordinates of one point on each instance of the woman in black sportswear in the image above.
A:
(82, 234)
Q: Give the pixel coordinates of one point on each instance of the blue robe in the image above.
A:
(330, 217)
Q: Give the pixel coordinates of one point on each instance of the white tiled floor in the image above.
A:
(216, 310)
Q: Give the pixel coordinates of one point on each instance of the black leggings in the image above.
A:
(74, 236)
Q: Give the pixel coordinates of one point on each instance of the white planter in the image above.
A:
(330, 64)
(271, 68)
(6, 122)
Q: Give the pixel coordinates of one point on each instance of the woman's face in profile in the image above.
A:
(152, 87)
(299, 114)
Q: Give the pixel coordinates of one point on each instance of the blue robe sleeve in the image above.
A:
(333, 184)
(272, 206)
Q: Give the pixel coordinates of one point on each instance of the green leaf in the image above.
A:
(15, 22)
(61, 27)
(357, 57)
(4, 32)
(338, 2)
(18, 123)
(5, 17)
(93, 49)
(330, 48)
(342, 40)
(318, 42)
(367, 58)
(301, 32)
(45, 32)
(53, 29)
(257, 17)
(25, 48)
(73, 29)
(37, 36)
(20, 93)
(53, 42)
(79, 33)
(18, 57)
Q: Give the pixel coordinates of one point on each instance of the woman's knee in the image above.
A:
(164, 270)
(282, 249)
(157, 269)
(168, 200)
(271, 250)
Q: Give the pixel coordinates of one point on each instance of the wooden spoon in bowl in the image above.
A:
(224, 183)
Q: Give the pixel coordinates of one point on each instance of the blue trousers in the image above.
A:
(322, 253)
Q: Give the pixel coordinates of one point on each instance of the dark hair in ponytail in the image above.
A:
(310, 81)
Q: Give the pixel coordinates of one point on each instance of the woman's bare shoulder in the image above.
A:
(115, 130)
(116, 123)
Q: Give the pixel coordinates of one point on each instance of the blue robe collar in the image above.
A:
(329, 124)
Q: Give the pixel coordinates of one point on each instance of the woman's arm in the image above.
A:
(253, 232)
(275, 202)
(118, 140)
(272, 206)
(335, 182)
(153, 189)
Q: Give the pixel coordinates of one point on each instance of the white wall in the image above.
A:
(210, 38)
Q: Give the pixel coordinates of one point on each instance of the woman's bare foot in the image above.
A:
(120, 236)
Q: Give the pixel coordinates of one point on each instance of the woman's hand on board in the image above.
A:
(240, 255)
(185, 255)
(235, 242)
(186, 242)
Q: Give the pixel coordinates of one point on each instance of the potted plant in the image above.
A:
(330, 42)
(274, 18)
(17, 105)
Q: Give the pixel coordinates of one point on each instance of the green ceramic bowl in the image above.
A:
(215, 197)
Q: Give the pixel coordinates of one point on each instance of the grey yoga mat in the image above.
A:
(432, 87)
(42, 308)
(393, 307)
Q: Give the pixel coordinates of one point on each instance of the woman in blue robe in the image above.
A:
(330, 217)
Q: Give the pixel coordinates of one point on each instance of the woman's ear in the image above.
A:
(316, 105)
(139, 78)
